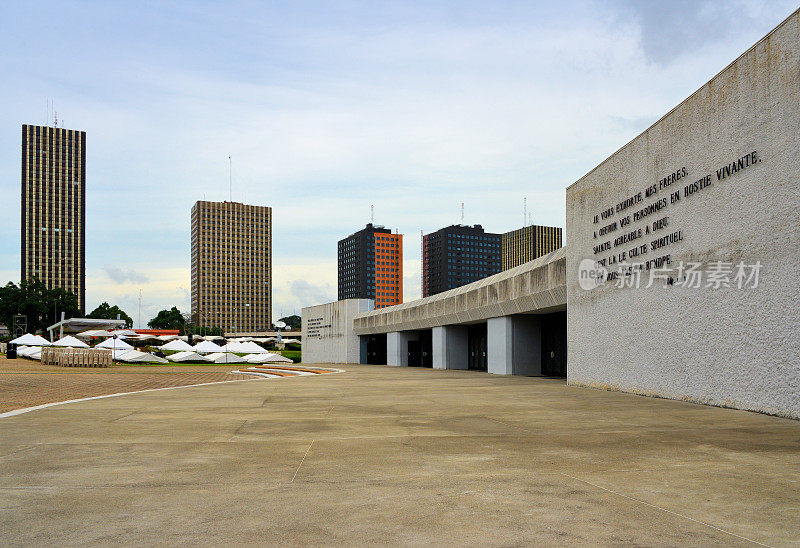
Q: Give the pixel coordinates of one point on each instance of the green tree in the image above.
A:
(108, 312)
(293, 321)
(169, 319)
(41, 306)
(204, 330)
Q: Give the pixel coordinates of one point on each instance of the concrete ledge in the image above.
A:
(538, 286)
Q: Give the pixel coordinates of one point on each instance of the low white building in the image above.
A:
(679, 275)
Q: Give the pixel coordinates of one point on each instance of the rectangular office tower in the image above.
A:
(528, 243)
(457, 255)
(232, 266)
(53, 237)
(371, 266)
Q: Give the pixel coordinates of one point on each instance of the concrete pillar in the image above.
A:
(514, 344)
(450, 347)
(397, 348)
(500, 345)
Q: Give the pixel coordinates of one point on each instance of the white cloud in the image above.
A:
(123, 275)
(412, 107)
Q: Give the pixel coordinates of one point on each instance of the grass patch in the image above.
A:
(293, 355)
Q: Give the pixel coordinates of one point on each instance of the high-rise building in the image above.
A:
(371, 266)
(457, 255)
(528, 243)
(232, 266)
(53, 237)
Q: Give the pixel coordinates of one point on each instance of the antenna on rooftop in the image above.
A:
(524, 211)
(55, 119)
(230, 177)
(462, 213)
(372, 213)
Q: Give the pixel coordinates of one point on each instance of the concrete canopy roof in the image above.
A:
(536, 287)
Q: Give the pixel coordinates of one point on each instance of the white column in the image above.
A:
(500, 345)
(438, 354)
(397, 348)
(450, 347)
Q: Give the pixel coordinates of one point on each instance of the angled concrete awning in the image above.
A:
(536, 287)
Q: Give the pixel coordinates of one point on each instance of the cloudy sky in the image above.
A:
(329, 107)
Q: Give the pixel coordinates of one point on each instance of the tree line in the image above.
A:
(42, 307)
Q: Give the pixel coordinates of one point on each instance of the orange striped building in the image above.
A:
(370, 266)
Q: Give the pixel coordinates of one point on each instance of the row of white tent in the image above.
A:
(37, 340)
(203, 347)
(135, 356)
(30, 346)
(132, 335)
(208, 347)
(227, 357)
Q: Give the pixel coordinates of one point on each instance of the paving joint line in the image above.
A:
(302, 461)
(664, 510)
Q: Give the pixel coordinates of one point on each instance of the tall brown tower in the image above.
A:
(232, 266)
(53, 231)
(528, 243)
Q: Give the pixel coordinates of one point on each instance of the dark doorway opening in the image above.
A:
(426, 343)
(414, 354)
(376, 349)
(554, 344)
(477, 347)
(420, 352)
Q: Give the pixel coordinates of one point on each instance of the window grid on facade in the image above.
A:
(457, 255)
(231, 262)
(370, 266)
(53, 176)
(528, 243)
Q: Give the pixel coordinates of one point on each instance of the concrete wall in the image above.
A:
(538, 286)
(328, 335)
(514, 345)
(725, 346)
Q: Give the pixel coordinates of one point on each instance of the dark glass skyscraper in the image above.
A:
(53, 237)
(458, 255)
(371, 266)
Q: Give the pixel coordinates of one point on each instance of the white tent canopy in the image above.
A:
(207, 347)
(234, 347)
(134, 356)
(186, 357)
(31, 340)
(32, 352)
(224, 357)
(167, 337)
(70, 341)
(267, 358)
(114, 344)
(252, 348)
(94, 333)
(177, 344)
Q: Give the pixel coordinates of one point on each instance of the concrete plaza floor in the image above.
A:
(381, 455)
(28, 383)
